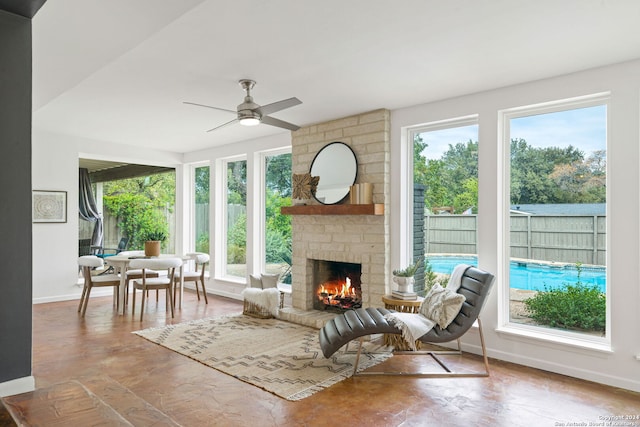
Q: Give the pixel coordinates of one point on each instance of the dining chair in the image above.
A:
(201, 260)
(88, 263)
(146, 283)
(133, 274)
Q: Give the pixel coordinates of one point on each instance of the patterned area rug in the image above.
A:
(280, 357)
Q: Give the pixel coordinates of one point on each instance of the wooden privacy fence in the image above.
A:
(560, 238)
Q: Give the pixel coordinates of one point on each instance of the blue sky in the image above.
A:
(584, 128)
(438, 141)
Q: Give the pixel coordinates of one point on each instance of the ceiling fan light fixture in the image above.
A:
(249, 121)
(247, 116)
(251, 114)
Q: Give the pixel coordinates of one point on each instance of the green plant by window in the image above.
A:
(570, 306)
(408, 271)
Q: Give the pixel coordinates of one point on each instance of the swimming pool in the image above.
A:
(529, 276)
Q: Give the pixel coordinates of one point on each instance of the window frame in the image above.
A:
(505, 326)
(406, 237)
(261, 219)
(220, 209)
(192, 240)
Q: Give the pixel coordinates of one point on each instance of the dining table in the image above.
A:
(121, 262)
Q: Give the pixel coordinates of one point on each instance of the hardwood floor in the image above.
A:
(95, 371)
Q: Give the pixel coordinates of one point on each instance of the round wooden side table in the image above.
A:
(404, 306)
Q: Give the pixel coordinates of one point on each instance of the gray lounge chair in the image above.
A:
(475, 286)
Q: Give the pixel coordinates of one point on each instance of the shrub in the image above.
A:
(202, 244)
(429, 276)
(576, 305)
(276, 245)
(236, 254)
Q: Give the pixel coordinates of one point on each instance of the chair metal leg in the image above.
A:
(434, 355)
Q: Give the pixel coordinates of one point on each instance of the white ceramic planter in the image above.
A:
(405, 284)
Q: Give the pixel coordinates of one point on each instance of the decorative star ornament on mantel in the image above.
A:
(304, 185)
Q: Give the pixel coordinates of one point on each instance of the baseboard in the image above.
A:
(584, 374)
(231, 295)
(17, 386)
(69, 297)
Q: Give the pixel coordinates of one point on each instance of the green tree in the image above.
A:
(420, 172)
(531, 170)
(449, 180)
(202, 185)
(137, 218)
(581, 181)
(237, 183)
(278, 174)
(468, 198)
(139, 205)
(278, 194)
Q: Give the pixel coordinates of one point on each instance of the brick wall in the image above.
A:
(361, 239)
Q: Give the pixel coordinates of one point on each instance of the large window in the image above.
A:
(445, 195)
(236, 218)
(557, 227)
(277, 179)
(201, 209)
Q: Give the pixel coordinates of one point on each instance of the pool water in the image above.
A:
(530, 276)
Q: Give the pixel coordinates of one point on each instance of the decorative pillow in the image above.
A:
(269, 280)
(255, 281)
(442, 305)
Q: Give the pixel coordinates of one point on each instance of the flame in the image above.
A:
(336, 288)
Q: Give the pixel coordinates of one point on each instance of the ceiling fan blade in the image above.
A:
(209, 106)
(277, 106)
(279, 123)
(223, 125)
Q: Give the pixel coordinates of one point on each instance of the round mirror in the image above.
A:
(337, 168)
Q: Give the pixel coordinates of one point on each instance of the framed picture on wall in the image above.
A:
(49, 206)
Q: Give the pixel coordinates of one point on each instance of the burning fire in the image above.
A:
(333, 292)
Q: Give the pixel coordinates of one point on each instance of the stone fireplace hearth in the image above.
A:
(357, 239)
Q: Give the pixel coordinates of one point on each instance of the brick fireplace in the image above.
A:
(357, 239)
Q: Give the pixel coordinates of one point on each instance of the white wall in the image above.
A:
(620, 366)
(55, 167)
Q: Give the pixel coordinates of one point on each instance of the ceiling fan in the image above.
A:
(250, 114)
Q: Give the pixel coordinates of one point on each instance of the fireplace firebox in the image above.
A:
(337, 285)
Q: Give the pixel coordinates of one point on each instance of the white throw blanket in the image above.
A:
(456, 277)
(415, 325)
(268, 299)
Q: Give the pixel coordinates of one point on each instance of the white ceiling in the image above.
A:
(119, 70)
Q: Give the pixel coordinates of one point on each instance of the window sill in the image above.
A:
(561, 338)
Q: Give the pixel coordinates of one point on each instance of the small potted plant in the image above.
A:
(154, 241)
(404, 277)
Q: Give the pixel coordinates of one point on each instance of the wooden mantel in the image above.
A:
(371, 209)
